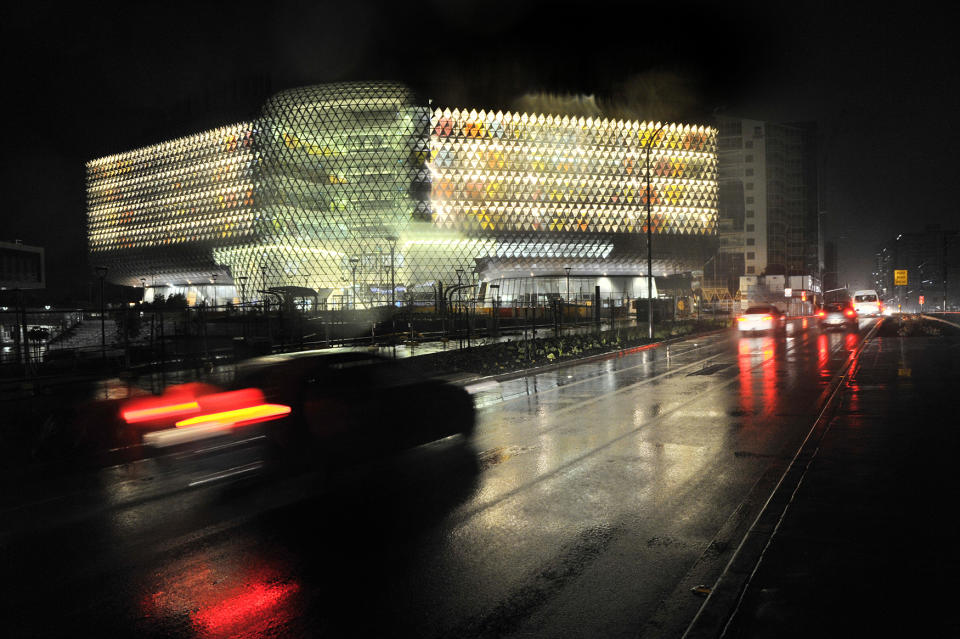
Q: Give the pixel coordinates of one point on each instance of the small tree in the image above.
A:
(177, 301)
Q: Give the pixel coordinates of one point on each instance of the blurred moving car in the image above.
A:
(867, 303)
(838, 315)
(356, 403)
(325, 406)
(762, 317)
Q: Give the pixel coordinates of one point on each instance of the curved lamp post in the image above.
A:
(646, 147)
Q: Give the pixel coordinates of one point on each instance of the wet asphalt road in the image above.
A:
(589, 502)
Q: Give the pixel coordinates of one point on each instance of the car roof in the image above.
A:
(326, 357)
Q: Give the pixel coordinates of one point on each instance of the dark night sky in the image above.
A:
(90, 80)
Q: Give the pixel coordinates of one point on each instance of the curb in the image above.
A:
(503, 377)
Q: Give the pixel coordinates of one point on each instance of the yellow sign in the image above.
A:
(900, 277)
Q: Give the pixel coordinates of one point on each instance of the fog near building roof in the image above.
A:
(657, 96)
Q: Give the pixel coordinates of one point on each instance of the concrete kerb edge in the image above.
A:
(723, 602)
(536, 370)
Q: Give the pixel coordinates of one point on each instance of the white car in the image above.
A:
(867, 303)
(766, 317)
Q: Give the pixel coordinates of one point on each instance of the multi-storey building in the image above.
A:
(21, 266)
(932, 261)
(362, 190)
(768, 202)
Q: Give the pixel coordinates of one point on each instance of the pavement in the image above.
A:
(860, 537)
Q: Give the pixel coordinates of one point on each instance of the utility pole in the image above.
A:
(647, 146)
(102, 273)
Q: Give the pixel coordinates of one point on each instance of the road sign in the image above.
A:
(900, 277)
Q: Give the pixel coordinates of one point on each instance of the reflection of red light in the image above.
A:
(850, 341)
(237, 612)
(823, 352)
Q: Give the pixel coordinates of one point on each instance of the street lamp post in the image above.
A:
(456, 312)
(243, 297)
(102, 273)
(353, 288)
(646, 147)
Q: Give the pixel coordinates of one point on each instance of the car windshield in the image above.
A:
(865, 298)
(835, 308)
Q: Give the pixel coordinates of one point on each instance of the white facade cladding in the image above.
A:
(360, 190)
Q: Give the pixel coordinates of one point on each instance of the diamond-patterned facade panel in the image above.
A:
(357, 185)
(497, 173)
(160, 210)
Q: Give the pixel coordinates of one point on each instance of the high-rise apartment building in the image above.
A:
(768, 199)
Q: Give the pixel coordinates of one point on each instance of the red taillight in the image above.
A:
(194, 405)
(766, 318)
(137, 415)
(237, 417)
(741, 319)
(821, 313)
(850, 312)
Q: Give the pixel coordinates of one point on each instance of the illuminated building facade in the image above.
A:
(360, 190)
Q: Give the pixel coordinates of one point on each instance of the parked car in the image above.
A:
(838, 315)
(762, 318)
(867, 303)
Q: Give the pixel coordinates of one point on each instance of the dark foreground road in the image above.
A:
(863, 541)
(590, 501)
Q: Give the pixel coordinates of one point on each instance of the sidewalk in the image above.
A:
(864, 538)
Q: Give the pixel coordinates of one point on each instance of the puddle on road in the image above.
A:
(500, 454)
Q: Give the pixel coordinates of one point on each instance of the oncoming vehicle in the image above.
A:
(867, 303)
(763, 317)
(838, 315)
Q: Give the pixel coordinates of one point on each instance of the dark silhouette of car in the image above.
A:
(354, 403)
